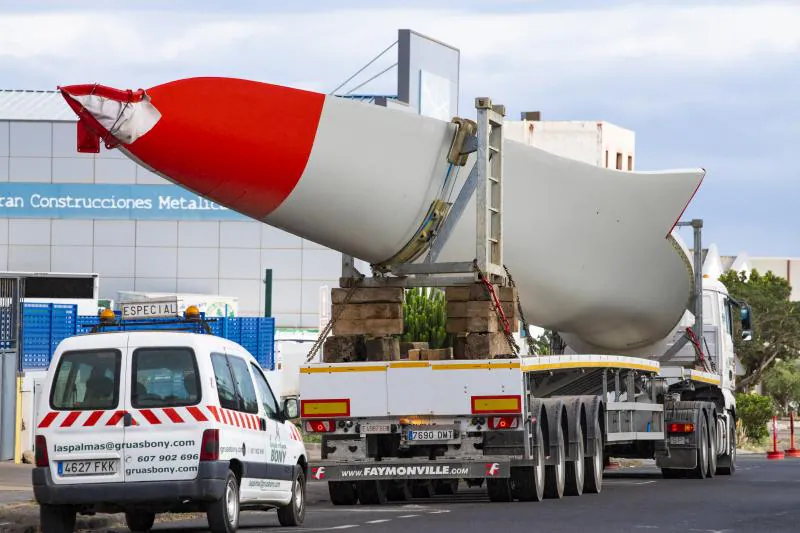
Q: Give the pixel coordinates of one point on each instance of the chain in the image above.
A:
(329, 326)
(498, 310)
(528, 338)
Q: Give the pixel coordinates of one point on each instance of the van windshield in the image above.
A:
(164, 377)
(86, 380)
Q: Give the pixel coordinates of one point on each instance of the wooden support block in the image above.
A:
(481, 346)
(343, 349)
(383, 349)
(415, 354)
(368, 311)
(478, 292)
(405, 347)
(479, 309)
(376, 327)
(369, 295)
(440, 354)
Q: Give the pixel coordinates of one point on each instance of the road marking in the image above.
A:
(345, 527)
(440, 511)
(408, 516)
(379, 521)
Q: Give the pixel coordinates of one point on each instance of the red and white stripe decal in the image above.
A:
(151, 417)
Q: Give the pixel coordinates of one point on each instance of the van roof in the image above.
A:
(152, 337)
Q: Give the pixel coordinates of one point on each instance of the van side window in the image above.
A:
(264, 391)
(86, 380)
(164, 377)
(244, 384)
(225, 387)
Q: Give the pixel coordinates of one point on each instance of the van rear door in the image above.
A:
(164, 397)
(84, 415)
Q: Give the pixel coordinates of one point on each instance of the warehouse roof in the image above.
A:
(34, 105)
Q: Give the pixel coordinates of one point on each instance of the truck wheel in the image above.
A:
(727, 463)
(555, 475)
(593, 466)
(446, 487)
(342, 493)
(575, 470)
(712, 449)
(701, 469)
(398, 491)
(140, 520)
(422, 489)
(371, 492)
(223, 514)
(57, 518)
(293, 514)
(499, 490)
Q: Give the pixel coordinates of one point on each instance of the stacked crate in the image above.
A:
(472, 317)
(367, 327)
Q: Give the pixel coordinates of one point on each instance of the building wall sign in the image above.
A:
(106, 201)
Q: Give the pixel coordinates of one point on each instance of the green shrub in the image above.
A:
(754, 412)
(425, 317)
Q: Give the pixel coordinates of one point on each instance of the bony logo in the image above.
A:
(492, 469)
(318, 472)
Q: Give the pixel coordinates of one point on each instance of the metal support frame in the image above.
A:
(486, 181)
(697, 298)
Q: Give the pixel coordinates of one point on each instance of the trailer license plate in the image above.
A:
(673, 439)
(375, 428)
(97, 467)
(431, 434)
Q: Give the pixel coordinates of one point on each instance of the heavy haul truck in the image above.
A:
(644, 365)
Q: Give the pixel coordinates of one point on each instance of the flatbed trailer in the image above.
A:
(526, 426)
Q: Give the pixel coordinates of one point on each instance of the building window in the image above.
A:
(630, 162)
(606, 158)
(619, 161)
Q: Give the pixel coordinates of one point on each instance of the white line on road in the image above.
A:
(345, 527)
(379, 521)
(408, 516)
(440, 511)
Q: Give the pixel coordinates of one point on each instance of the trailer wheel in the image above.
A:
(372, 492)
(528, 482)
(499, 490)
(727, 463)
(575, 469)
(594, 465)
(701, 469)
(342, 492)
(554, 475)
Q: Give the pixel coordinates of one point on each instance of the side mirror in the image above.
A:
(747, 328)
(291, 408)
(747, 335)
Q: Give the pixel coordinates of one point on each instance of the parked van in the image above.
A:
(145, 422)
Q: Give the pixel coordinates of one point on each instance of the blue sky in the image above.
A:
(714, 84)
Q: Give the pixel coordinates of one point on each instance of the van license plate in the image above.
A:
(98, 467)
(431, 434)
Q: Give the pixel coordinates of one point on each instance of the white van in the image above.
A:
(144, 422)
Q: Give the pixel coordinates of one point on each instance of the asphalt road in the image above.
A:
(763, 496)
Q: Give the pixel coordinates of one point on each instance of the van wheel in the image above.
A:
(294, 513)
(57, 518)
(223, 514)
(140, 520)
(342, 493)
